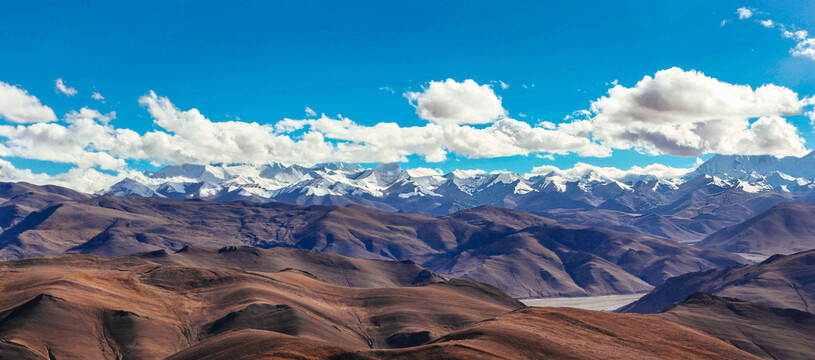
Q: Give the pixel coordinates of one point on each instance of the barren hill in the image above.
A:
(93, 307)
(523, 254)
(780, 281)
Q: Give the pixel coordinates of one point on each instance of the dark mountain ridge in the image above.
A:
(782, 281)
(785, 228)
(767, 332)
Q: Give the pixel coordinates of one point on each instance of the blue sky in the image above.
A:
(261, 61)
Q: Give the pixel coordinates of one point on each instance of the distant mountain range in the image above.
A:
(425, 190)
(723, 191)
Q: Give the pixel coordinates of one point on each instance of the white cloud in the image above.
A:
(798, 34)
(805, 46)
(85, 143)
(84, 180)
(724, 22)
(391, 142)
(61, 87)
(310, 113)
(387, 89)
(97, 96)
(675, 112)
(503, 85)
(17, 106)
(687, 113)
(86, 113)
(457, 103)
(189, 137)
(634, 174)
(421, 171)
(744, 13)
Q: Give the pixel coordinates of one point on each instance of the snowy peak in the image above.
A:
(207, 173)
(761, 172)
(387, 173)
(394, 188)
(130, 187)
(732, 167)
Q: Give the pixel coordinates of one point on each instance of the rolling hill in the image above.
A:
(523, 254)
(767, 332)
(783, 229)
(94, 307)
(782, 281)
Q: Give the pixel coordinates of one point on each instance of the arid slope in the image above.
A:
(767, 332)
(94, 307)
(782, 281)
(783, 229)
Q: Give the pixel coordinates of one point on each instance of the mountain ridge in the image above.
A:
(784, 229)
(767, 332)
(781, 281)
(721, 192)
(95, 307)
(523, 254)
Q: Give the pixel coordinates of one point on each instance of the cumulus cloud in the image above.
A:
(797, 34)
(310, 113)
(633, 174)
(675, 112)
(65, 89)
(391, 142)
(453, 102)
(97, 96)
(686, 113)
(744, 13)
(17, 106)
(767, 23)
(84, 180)
(85, 142)
(88, 139)
(805, 48)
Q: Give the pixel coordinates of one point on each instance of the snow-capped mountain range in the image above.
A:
(388, 186)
